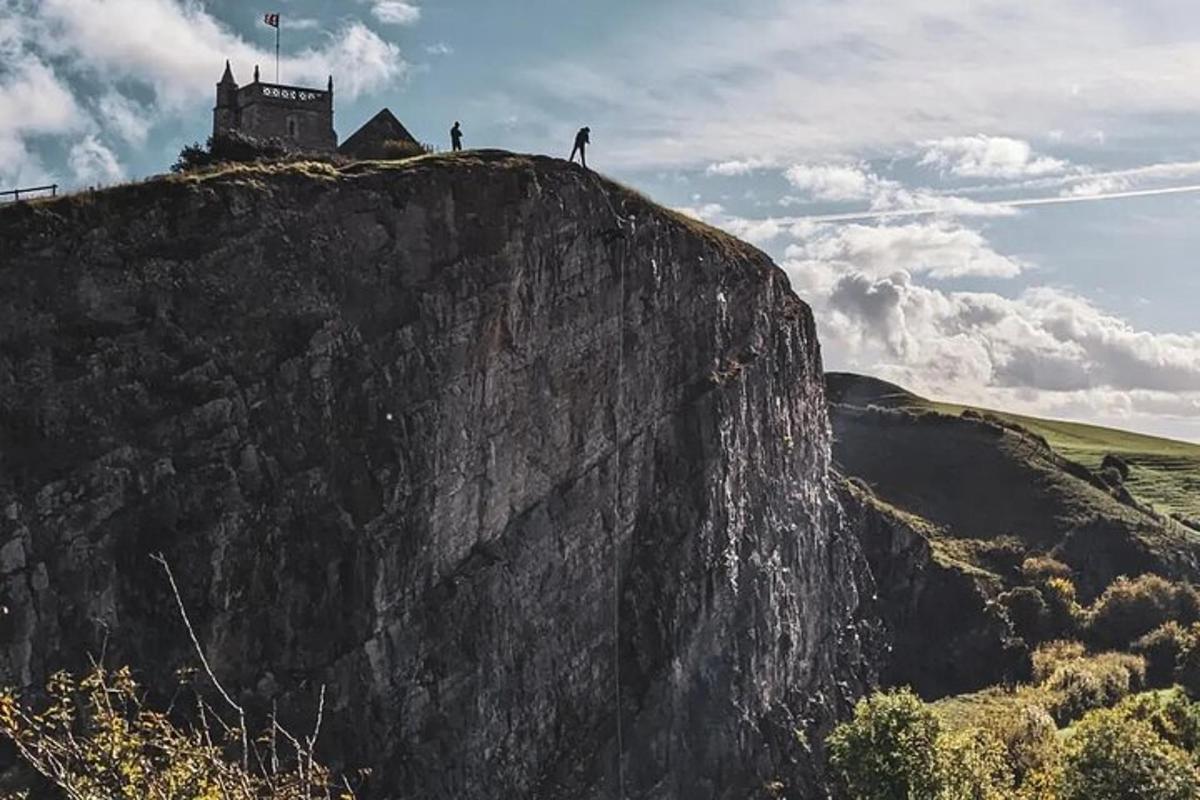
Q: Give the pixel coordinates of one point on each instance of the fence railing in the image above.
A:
(15, 194)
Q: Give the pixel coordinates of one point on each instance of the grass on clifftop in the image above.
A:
(1164, 474)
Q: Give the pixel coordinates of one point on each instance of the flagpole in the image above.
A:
(277, 23)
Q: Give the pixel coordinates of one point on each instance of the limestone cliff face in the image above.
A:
(410, 432)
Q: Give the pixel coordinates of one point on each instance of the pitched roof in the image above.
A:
(378, 129)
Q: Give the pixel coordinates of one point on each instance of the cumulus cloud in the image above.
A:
(835, 183)
(128, 119)
(396, 12)
(738, 167)
(988, 157)
(34, 101)
(1043, 339)
(178, 48)
(940, 249)
(755, 231)
(93, 163)
(1042, 351)
(803, 80)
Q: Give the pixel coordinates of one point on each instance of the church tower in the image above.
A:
(299, 117)
(225, 113)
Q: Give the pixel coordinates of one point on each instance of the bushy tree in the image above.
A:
(1094, 682)
(1062, 607)
(229, 148)
(888, 750)
(1173, 717)
(1130, 608)
(1164, 649)
(1187, 672)
(1030, 738)
(974, 766)
(1113, 756)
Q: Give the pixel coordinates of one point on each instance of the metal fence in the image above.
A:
(15, 194)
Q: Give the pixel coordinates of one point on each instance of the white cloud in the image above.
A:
(1043, 351)
(93, 163)
(439, 49)
(738, 167)
(1042, 340)
(396, 12)
(126, 118)
(178, 48)
(988, 157)
(359, 60)
(836, 183)
(34, 102)
(939, 249)
(755, 231)
(803, 80)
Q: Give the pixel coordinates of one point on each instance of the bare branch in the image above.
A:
(162, 561)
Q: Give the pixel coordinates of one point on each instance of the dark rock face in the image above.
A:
(945, 632)
(446, 438)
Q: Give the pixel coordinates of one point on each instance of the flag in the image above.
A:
(271, 19)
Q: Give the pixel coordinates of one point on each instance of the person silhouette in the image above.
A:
(456, 138)
(582, 140)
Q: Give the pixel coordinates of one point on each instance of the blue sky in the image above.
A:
(926, 118)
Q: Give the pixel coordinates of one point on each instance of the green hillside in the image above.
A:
(1164, 474)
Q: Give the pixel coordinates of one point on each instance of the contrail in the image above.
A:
(853, 216)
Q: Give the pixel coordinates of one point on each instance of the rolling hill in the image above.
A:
(1164, 474)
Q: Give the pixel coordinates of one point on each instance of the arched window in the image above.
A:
(293, 128)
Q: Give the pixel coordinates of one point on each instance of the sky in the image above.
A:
(987, 202)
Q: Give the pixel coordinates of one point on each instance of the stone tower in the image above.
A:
(296, 115)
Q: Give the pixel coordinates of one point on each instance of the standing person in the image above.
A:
(582, 140)
(456, 138)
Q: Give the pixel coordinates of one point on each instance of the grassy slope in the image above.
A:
(1164, 474)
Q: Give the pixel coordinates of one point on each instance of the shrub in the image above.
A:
(1030, 738)
(1172, 715)
(1063, 609)
(227, 148)
(888, 749)
(1117, 465)
(1129, 609)
(1163, 649)
(974, 766)
(1111, 756)
(1076, 691)
(1038, 569)
(402, 148)
(1095, 682)
(1052, 655)
(1187, 671)
(94, 739)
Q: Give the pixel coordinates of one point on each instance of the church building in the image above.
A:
(293, 114)
(298, 116)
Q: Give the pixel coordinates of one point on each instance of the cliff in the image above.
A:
(531, 474)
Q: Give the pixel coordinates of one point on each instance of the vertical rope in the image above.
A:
(616, 532)
(616, 511)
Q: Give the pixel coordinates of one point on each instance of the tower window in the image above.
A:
(292, 128)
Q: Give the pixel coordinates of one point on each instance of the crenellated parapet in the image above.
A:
(299, 115)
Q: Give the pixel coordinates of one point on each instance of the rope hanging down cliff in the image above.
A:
(626, 234)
